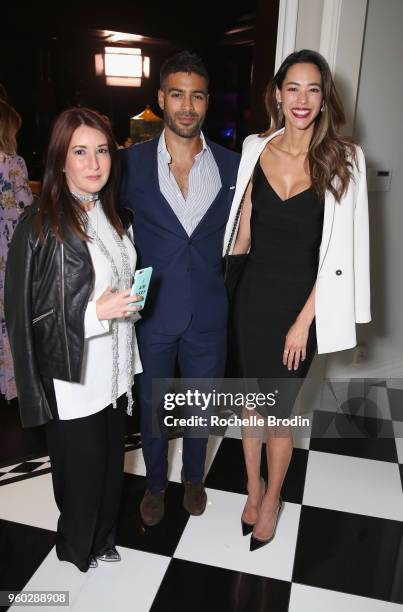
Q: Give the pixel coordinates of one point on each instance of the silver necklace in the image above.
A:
(91, 197)
(119, 282)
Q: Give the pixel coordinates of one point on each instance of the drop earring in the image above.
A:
(322, 108)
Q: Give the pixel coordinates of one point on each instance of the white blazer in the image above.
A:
(342, 296)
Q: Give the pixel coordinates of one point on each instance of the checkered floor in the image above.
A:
(338, 546)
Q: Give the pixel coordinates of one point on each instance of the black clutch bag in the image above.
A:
(233, 264)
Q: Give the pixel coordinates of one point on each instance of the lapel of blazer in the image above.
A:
(252, 158)
(223, 169)
(163, 209)
(328, 220)
(329, 217)
(248, 162)
(77, 244)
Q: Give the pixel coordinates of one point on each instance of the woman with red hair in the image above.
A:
(70, 319)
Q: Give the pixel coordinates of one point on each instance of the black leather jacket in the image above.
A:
(47, 289)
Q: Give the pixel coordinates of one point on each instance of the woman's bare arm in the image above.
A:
(297, 336)
(242, 243)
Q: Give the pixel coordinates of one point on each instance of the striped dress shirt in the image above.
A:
(204, 185)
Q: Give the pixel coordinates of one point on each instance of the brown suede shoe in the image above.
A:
(195, 498)
(152, 508)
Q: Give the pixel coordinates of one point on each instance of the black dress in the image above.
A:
(278, 277)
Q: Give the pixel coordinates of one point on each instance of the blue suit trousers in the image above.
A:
(198, 355)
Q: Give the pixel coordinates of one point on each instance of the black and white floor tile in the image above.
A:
(338, 547)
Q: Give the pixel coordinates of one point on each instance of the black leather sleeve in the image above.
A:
(34, 408)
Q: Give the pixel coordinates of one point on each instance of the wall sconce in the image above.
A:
(122, 66)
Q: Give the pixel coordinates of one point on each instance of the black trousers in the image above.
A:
(87, 456)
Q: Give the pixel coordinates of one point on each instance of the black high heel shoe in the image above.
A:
(255, 543)
(247, 528)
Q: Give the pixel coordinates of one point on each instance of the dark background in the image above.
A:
(47, 62)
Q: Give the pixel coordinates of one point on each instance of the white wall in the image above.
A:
(349, 53)
(309, 24)
(379, 128)
(335, 28)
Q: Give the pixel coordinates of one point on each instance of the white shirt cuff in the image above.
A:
(92, 325)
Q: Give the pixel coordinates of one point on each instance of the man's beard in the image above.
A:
(184, 132)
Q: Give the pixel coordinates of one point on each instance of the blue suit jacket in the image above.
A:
(187, 280)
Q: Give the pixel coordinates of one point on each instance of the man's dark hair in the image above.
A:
(184, 61)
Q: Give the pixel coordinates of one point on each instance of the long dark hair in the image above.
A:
(10, 123)
(330, 154)
(56, 201)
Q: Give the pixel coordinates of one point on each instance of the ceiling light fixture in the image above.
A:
(122, 66)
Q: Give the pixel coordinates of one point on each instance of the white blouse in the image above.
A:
(93, 393)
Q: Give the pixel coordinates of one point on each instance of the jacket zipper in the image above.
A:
(63, 315)
(42, 316)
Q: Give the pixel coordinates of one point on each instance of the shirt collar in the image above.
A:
(162, 147)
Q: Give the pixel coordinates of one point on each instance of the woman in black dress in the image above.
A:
(281, 223)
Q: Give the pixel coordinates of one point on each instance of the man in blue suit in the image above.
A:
(180, 187)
